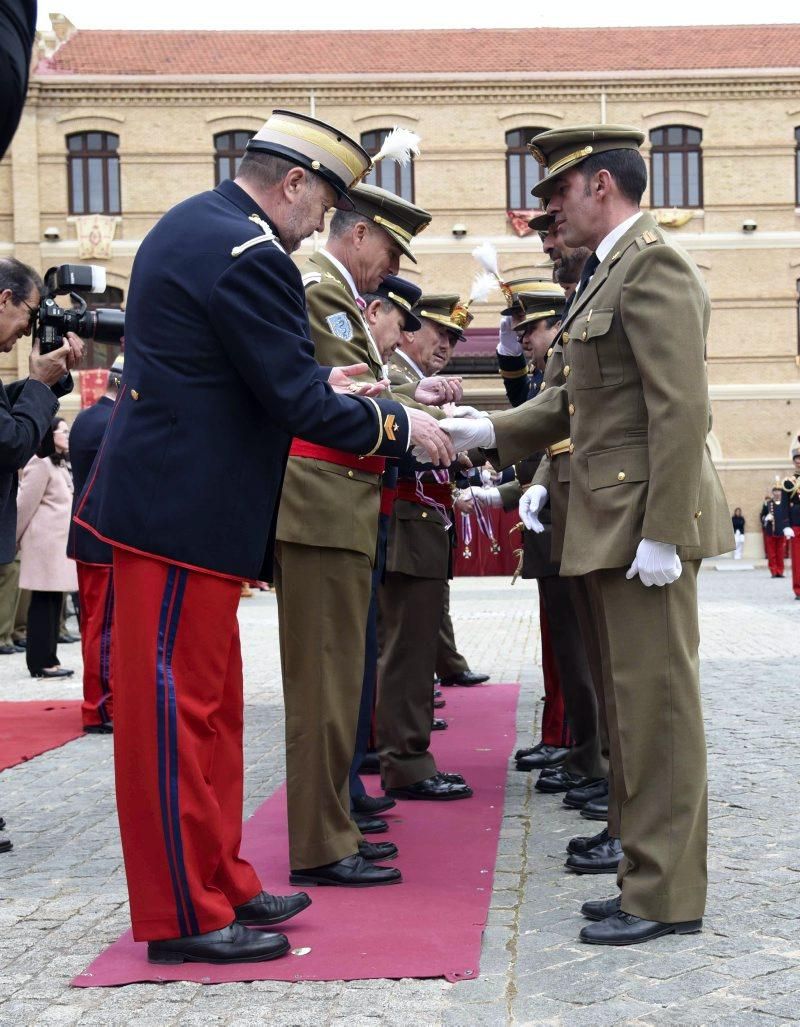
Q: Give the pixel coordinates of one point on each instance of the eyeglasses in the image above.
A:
(32, 312)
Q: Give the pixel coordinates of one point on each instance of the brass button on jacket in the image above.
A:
(134, 394)
(571, 409)
(349, 474)
(621, 476)
(566, 370)
(572, 447)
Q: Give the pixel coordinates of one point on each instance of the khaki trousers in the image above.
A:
(323, 602)
(581, 603)
(449, 661)
(649, 640)
(9, 593)
(410, 616)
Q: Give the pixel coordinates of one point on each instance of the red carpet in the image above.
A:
(28, 729)
(428, 926)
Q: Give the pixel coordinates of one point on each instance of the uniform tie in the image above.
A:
(589, 268)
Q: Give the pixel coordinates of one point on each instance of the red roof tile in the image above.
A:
(426, 51)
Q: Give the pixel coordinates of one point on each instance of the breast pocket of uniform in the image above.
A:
(594, 354)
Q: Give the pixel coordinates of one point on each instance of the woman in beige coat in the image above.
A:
(44, 503)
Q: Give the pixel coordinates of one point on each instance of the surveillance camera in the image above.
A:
(459, 230)
(749, 226)
(52, 233)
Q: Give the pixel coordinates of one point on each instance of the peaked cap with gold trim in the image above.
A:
(518, 291)
(313, 144)
(444, 310)
(547, 301)
(541, 222)
(560, 149)
(404, 295)
(401, 219)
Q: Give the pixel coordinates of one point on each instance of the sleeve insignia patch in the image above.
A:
(388, 426)
(340, 325)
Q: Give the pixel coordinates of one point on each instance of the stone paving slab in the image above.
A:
(63, 899)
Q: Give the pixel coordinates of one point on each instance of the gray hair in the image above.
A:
(265, 169)
(19, 278)
(344, 220)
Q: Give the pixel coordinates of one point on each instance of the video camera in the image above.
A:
(53, 321)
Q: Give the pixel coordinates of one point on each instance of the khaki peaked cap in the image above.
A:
(401, 219)
(560, 149)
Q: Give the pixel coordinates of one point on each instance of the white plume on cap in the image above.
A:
(482, 287)
(399, 145)
(486, 256)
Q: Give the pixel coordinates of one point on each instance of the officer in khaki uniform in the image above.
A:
(645, 506)
(411, 599)
(326, 537)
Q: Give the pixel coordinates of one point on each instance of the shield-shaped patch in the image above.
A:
(340, 325)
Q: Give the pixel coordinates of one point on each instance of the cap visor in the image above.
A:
(404, 246)
(413, 324)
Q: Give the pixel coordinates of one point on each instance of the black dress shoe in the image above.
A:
(59, 672)
(560, 781)
(597, 809)
(439, 704)
(370, 825)
(267, 910)
(377, 850)
(370, 804)
(540, 756)
(436, 788)
(599, 909)
(576, 798)
(5, 845)
(602, 859)
(453, 779)
(582, 842)
(370, 764)
(68, 639)
(8, 650)
(625, 929)
(468, 678)
(351, 872)
(437, 693)
(98, 729)
(2, 823)
(438, 724)
(233, 944)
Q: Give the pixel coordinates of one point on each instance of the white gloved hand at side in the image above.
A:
(656, 563)
(469, 432)
(788, 532)
(486, 496)
(530, 506)
(509, 344)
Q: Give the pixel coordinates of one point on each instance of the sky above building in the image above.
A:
(411, 14)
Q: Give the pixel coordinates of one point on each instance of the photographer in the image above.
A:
(27, 407)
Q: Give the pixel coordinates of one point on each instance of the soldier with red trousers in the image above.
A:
(775, 523)
(93, 560)
(219, 376)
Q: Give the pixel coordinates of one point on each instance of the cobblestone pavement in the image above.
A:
(63, 893)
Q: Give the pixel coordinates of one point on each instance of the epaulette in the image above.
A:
(647, 238)
(311, 278)
(268, 236)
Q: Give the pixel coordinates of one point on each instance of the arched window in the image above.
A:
(93, 173)
(523, 171)
(228, 153)
(797, 167)
(102, 354)
(388, 174)
(676, 167)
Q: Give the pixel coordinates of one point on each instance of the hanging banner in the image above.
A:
(95, 235)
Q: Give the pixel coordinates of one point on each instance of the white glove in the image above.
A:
(509, 344)
(769, 517)
(453, 411)
(486, 497)
(656, 563)
(530, 507)
(788, 533)
(469, 432)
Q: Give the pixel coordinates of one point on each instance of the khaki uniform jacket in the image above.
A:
(635, 403)
(418, 542)
(553, 472)
(325, 504)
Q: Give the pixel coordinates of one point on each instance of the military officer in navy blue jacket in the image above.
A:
(93, 560)
(219, 375)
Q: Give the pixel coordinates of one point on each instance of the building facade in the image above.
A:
(119, 126)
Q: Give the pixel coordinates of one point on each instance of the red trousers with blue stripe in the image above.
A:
(96, 591)
(178, 747)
